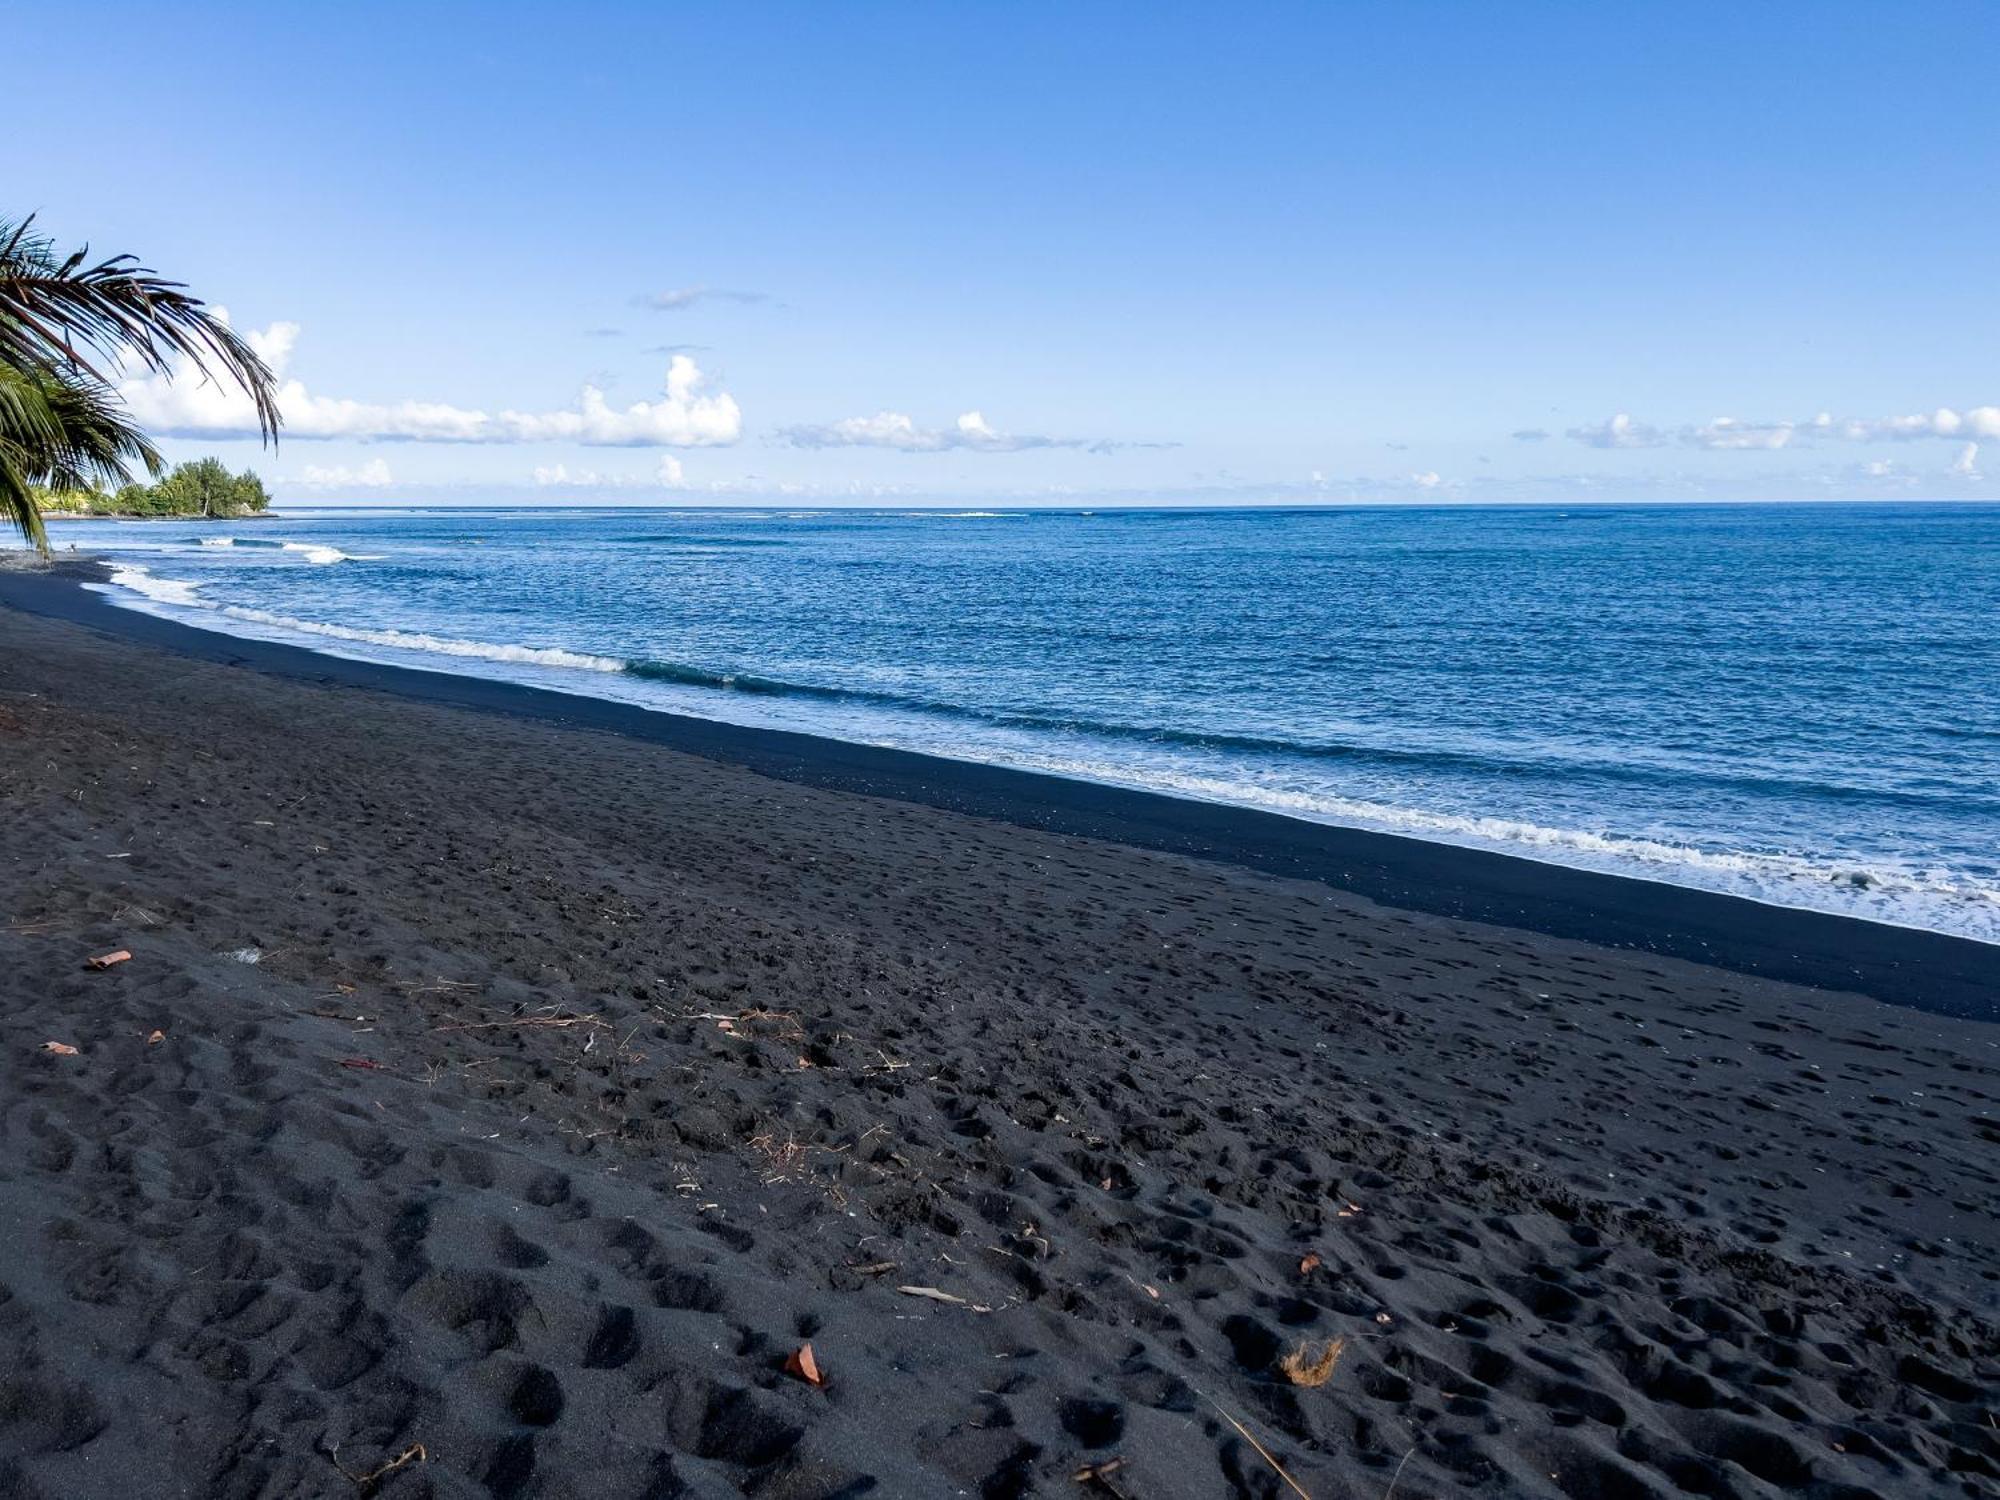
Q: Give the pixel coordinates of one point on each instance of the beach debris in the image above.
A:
(874, 1268)
(801, 1363)
(1348, 1210)
(930, 1292)
(61, 1049)
(363, 1062)
(106, 960)
(1397, 1477)
(367, 1484)
(1099, 1474)
(247, 955)
(1262, 1452)
(1383, 1317)
(536, 1023)
(1303, 1367)
(156, 1037)
(1310, 1264)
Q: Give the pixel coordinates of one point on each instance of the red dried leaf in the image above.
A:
(106, 960)
(1310, 1264)
(61, 1049)
(800, 1362)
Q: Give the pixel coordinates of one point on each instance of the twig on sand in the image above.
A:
(1100, 1474)
(932, 1294)
(553, 1023)
(436, 987)
(367, 1483)
(1262, 1452)
(1390, 1493)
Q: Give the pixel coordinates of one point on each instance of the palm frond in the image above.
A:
(63, 312)
(17, 503)
(61, 431)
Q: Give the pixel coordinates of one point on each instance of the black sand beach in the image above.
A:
(591, 1062)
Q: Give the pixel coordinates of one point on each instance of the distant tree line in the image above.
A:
(202, 488)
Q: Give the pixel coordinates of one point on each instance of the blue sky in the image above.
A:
(1155, 253)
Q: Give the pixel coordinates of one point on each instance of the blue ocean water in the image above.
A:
(1796, 703)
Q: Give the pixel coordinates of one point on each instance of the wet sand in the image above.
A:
(588, 1067)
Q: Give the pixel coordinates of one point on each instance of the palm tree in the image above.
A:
(67, 327)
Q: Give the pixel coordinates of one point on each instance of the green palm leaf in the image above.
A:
(67, 327)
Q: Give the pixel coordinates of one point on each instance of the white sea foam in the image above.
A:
(1909, 896)
(140, 580)
(436, 645)
(312, 552)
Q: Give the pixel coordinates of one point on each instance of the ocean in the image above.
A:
(1795, 703)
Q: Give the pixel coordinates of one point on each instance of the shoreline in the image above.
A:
(1936, 972)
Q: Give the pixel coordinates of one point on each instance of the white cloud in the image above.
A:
(1430, 479)
(894, 429)
(688, 415)
(1979, 422)
(1619, 432)
(687, 296)
(667, 474)
(1966, 465)
(372, 475)
(1728, 433)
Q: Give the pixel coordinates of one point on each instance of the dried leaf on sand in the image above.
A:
(802, 1363)
(1303, 1367)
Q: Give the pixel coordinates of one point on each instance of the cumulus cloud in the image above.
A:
(688, 296)
(687, 416)
(894, 429)
(1728, 433)
(1966, 465)
(667, 474)
(372, 475)
(1619, 432)
(1978, 423)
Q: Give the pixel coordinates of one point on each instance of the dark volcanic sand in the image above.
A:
(1620, 1225)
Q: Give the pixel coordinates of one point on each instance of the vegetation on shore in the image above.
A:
(202, 488)
(68, 329)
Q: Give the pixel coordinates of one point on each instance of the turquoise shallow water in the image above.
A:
(1796, 703)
